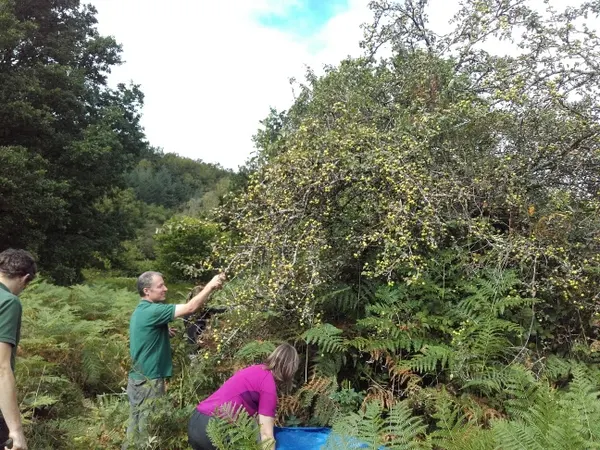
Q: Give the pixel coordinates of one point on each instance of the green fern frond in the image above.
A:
(39, 401)
(327, 337)
(431, 359)
(379, 344)
(403, 430)
(544, 425)
(342, 299)
(490, 341)
(555, 368)
(233, 428)
(494, 283)
(349, 299)
(316, 397)
(582, 397)
(490, 295)
(454, 431)
(521, 390)
(488, 383)
(328, 365)
(394, 429)
(364, 427)
(92, 365)
(324, 412)
(511, 302)
(514, 381)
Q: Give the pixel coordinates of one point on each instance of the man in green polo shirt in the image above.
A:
(17, 269)
(150, 348)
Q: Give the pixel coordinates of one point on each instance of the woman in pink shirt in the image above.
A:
(254, 389)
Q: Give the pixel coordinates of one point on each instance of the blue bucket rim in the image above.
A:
(312, 429)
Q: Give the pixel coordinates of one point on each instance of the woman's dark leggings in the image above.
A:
(197, 436)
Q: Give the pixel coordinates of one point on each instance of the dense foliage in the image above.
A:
(72, 388)
(426, 225)
(171, 181)
(176, 198)
(423, 226)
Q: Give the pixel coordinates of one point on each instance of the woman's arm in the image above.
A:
(267, 424)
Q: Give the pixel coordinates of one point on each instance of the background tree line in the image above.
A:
(78, 179)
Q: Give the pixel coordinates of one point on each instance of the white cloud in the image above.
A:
(210, 72)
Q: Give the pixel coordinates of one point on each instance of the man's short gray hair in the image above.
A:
(145, 281)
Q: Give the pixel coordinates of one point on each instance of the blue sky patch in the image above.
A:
(304, 17)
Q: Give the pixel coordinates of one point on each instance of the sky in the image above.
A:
(210, 71)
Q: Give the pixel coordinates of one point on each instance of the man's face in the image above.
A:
(157, 292)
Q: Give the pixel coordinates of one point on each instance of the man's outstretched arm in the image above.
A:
(8, 399)
(199, 300)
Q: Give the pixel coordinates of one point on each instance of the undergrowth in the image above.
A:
(404, 368)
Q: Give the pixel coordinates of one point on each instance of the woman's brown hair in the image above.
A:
(283, 363)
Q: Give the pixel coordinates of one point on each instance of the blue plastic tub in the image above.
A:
(305, 438)
(301, 438)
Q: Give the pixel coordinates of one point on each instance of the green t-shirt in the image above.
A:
(149, 344)
(10, 321)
